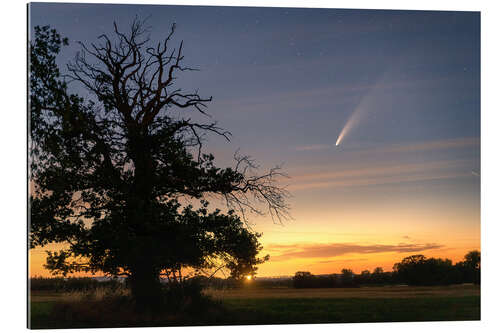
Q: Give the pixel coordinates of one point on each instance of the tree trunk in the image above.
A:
(146, 290)
(145, 283)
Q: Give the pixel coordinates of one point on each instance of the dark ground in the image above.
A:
(253, 307)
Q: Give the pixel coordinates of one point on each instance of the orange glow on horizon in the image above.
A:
(325, 265)
(365, 214)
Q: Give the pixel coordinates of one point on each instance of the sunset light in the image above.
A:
(177, 152)
(402, 176)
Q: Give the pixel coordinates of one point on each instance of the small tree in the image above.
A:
(112, 175)
(365, 276)
(347, 277)
(470, 268)
(303, 280)
(378, 275)
(473, 259)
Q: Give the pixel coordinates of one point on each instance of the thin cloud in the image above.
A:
(455, 143)
(396, 179)
(382, 174)
(388, 169)
(294, 251)
(431, 145)
(313, 147)
(340, 260)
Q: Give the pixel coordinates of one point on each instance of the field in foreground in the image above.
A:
(362, 292)
(284, 305)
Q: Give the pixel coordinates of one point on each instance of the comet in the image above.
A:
(352, 122)
(366, 105)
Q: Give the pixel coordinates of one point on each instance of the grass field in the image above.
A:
(284, 305)
(362, 292)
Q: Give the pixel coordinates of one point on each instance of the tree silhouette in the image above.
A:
(113, 177)
(473, 259)
(419, 270)
(347, 277)
(471, 267)
(364, 277)
(303, 280)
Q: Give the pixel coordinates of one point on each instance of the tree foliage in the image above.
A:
(122, 178)
(419, 270)
(308, 280)
(412, 270)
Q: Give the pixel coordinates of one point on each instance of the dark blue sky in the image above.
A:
(285, 82)
(311, 67)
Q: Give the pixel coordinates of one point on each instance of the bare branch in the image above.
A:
(263, 189)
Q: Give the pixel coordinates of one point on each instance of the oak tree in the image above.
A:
(121, 178)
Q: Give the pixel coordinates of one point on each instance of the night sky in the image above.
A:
(405, 178)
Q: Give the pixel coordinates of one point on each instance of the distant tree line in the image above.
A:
(70, 284)
(344, 280)
(415, 270)
(60, 284)
(421, 271)
(232, 283)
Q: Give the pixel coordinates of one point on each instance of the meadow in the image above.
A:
(253, 305)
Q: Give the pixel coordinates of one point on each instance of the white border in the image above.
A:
(13, 163)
